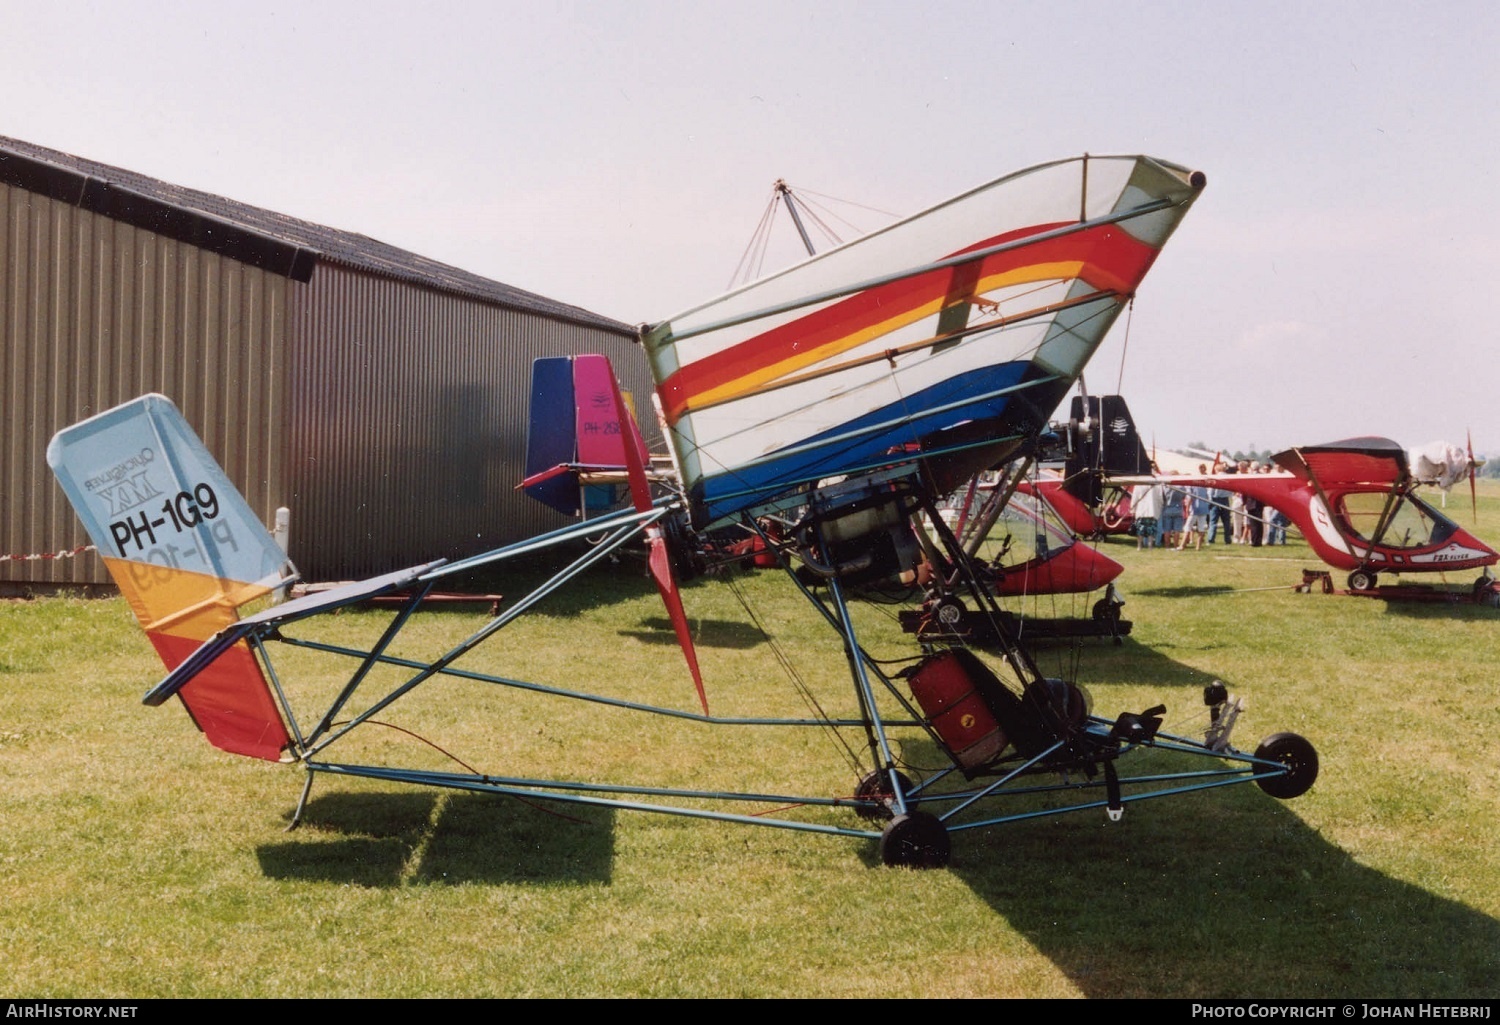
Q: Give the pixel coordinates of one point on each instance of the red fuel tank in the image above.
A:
(950, 687)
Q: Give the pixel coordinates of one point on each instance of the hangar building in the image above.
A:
(379, 395)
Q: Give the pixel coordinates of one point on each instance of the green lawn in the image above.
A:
(136, 861)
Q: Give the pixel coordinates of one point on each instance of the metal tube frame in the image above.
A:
(1016, 780)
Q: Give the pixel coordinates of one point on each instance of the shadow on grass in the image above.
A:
(393, 839)
(1458, 608)
(1212, 895)
(707, 633)
(1099, 662)
(1186, 591)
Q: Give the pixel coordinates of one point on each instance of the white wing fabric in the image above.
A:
(945, 337)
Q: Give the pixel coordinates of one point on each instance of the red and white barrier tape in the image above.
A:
(47, 555)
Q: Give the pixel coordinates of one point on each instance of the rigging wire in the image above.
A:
(798, 683)
(482, 776)
(752, 261)
(803, 192)
(755, 249)
(1125, 348)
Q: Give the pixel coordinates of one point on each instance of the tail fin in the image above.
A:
(186, 552)
(1112, 447)
(580, 424)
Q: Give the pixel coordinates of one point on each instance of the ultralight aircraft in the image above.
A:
(1356, 503)
(837, 400)
(1032, 556)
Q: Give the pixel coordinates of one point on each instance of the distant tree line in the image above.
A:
(1252, 455)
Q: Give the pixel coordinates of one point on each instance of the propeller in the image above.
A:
(1474, 465)
(659, 559)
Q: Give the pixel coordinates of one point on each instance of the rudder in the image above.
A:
(185, 550)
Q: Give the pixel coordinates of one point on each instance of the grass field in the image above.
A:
(136, 861)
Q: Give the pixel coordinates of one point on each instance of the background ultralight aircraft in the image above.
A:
(1356, 504)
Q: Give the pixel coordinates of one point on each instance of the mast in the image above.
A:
(785, 192)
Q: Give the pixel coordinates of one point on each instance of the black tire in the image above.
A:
(1297, 755)
(1362, 580)
(1059, 700)
(918, 840)
(876, 786)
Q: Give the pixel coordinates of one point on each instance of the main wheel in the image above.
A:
(1297, 755)
(949, 613)
(918, 840)
(1362, 580)
(876, 786)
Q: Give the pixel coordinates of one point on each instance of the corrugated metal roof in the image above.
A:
(252, 234)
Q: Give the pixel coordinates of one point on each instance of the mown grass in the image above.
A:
(137, 861)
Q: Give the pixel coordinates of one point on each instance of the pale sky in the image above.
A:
(1331, 281)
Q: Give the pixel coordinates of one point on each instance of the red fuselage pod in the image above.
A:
(1077, 568)
(1113, 518)
(1044, 558)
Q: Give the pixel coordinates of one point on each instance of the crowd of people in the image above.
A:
(1181, 517)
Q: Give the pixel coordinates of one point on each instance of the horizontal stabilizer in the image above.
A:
(193, 666)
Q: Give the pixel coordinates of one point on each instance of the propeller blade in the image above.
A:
(661, 571)
(1473, 488)
(659, 559)
(635, 465)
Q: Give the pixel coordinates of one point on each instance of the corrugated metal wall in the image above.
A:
(96, 312)
(408, 412)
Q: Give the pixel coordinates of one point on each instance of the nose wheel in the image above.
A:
(1297, 755)
(918, 840)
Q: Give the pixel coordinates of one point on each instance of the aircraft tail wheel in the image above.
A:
(876, 786)
(918, 840)
(1297, 755)
(1362, 580)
